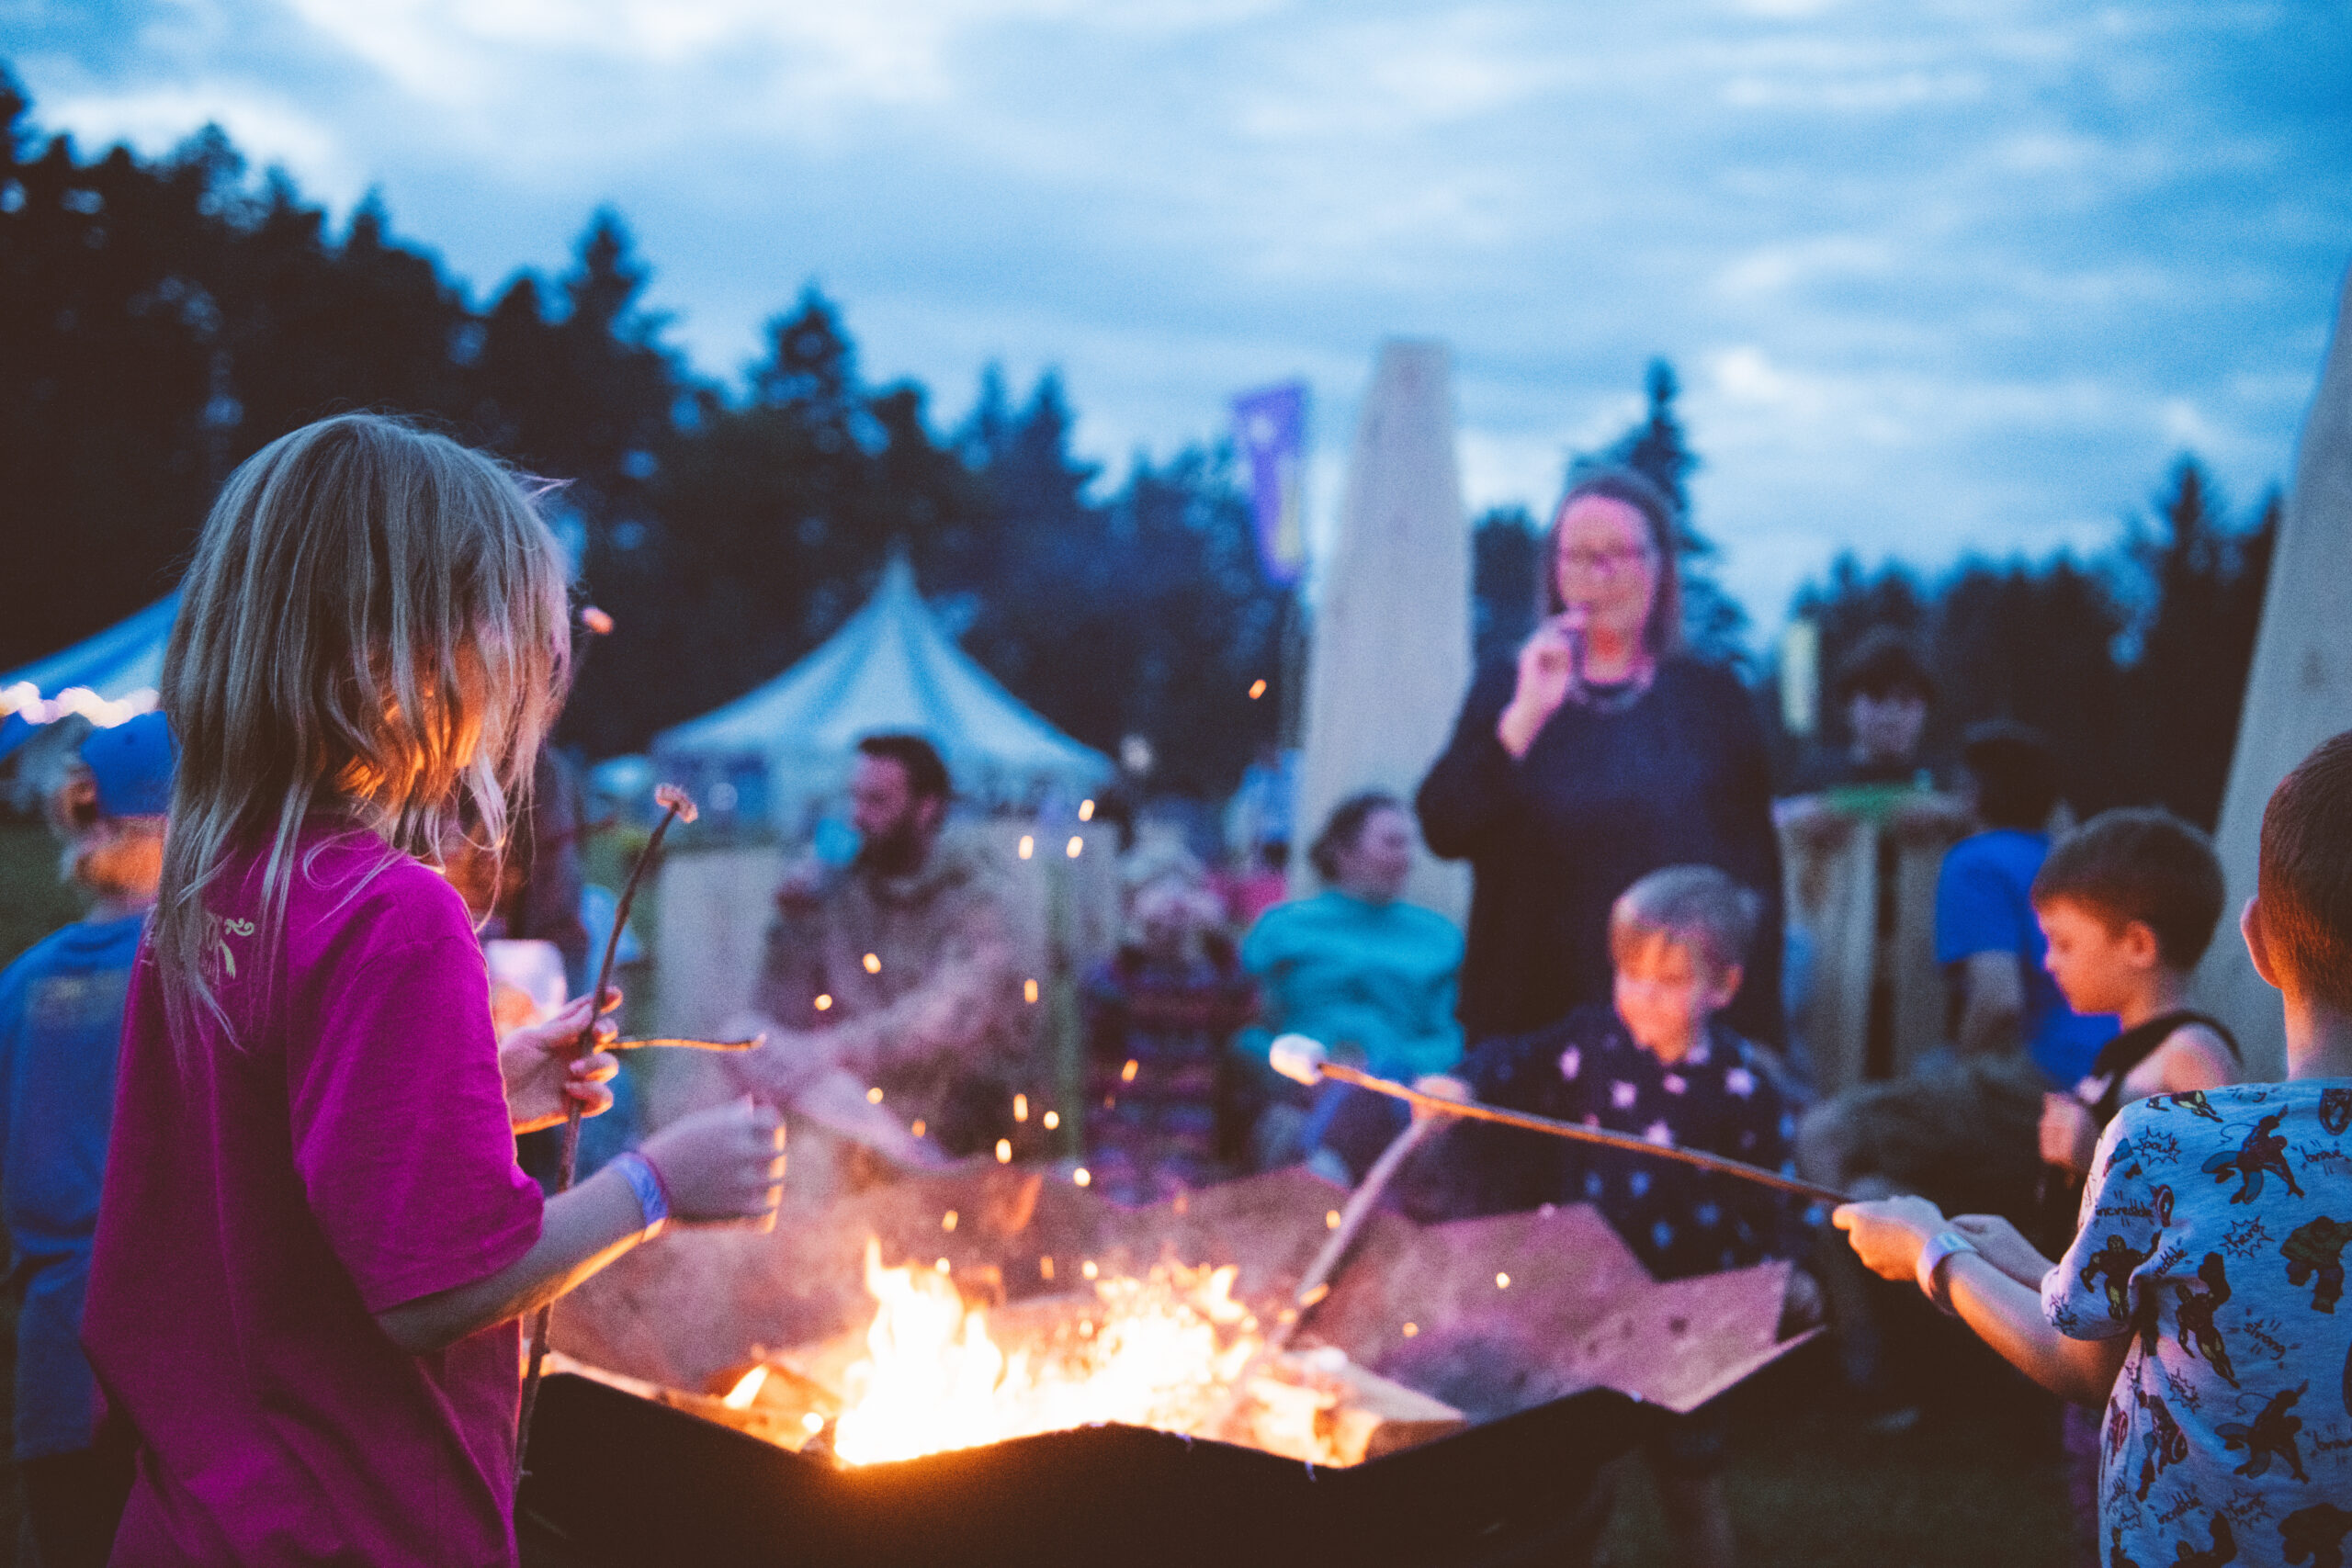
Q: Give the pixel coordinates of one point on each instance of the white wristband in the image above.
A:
(1933, 1257)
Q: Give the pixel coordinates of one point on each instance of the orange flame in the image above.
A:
(1161, 1351)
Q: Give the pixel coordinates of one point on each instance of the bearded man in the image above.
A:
(902, 970)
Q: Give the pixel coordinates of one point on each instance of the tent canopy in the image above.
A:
(787, 746)
(119, 668)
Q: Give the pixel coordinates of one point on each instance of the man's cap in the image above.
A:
(131, 764)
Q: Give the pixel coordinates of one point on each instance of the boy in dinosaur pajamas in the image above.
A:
(2199, 1302)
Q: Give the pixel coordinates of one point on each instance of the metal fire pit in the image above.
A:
(618, 1480)
(1535, 1327)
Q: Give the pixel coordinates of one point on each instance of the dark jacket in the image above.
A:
(1600, 800)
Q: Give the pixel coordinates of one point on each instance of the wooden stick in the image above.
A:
(667, 1044)
(1293, 1058)
(1312, 1286)
(676, 805)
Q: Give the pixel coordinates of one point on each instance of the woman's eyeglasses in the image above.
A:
(1592, 563)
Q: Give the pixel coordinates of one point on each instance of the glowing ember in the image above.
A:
(824, 1003)
(1257, 690)
(1028, 845)
(1086, 811)
(1004, 1151)
(1028, 990)
(873, 964)
(1160, 1352)
(1076, 847)
(873, 1095)
(1021, 1103)
(1053, 1120)
(1081, 1175)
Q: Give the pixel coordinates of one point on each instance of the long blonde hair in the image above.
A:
(374, 625)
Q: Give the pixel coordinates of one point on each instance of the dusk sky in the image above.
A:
(1938, 277)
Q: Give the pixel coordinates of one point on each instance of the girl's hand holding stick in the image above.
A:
(548, 1076)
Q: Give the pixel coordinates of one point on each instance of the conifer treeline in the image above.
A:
(160, 320)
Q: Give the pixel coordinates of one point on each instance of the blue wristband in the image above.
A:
(652, 1196)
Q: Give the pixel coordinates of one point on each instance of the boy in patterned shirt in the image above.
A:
(1659, 1064)
(2199, 1302)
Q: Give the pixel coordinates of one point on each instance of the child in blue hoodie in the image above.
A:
(61, 1020)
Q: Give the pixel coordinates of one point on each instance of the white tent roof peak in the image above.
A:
(891, 667)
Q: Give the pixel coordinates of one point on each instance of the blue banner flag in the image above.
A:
(1271, 426)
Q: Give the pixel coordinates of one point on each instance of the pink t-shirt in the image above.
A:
(348, 1150)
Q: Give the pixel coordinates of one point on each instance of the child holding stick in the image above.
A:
(1662, 1065)
(2199, 1302)
(314, 1244)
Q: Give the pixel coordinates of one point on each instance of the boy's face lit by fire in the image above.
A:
(1666, 989)
(2099, 966)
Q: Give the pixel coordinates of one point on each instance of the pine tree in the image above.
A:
(1714, 627)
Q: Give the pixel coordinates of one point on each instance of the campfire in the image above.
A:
(912, 1366)
(947, 1364)
(948, 1312)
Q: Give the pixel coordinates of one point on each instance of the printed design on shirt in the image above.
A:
(2271, 1435)
(222, 930)
(2336, 1110)
(2115, 1556)
(2168, 1444)
(2114, 1263)
(2246, 1239)
(2119, 1427)
(2224, 1550)
(2264, 1151)
(2315, 1534)
(2314, 1252)
(2192, 1101)
(2196, 1309)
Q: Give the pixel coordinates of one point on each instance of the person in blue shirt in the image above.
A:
(1987, 933)
(1369, 975)
(61, 1021)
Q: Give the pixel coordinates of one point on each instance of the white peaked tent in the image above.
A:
(785, 747)
(111, 675)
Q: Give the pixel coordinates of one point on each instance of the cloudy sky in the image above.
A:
(1940, 277)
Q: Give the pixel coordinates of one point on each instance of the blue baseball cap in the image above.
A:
(131, 764)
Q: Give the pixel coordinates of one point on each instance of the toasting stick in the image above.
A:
(1304, 1060)
(1315, 1283)
(676, 806)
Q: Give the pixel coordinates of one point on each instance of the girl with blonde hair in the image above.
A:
(314, 1244)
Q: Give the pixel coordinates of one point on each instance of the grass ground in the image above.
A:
(1976, 1483)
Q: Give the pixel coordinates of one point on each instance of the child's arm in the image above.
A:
(1890, 1233)
(720, 1165)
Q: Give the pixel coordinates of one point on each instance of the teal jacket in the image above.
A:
(1373, 982)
